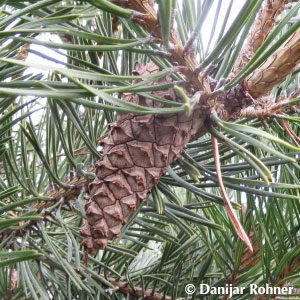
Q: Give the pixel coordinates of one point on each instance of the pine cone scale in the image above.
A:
(136, 153)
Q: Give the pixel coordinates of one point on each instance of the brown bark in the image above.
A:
(262, 27)
(275, 69)
(137, 291)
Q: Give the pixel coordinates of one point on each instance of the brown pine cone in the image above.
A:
(136, 153)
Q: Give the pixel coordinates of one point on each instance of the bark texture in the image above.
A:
(136, 153)
(262, 27)
(275, 69)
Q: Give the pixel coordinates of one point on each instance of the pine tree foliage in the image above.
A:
(138, 156)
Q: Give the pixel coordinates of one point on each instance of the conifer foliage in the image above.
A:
(148, 147)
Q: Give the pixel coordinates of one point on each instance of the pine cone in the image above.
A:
(136, 153)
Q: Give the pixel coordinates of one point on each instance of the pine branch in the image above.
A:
(137, 291)
(231, 104)
(149, 20)
(265, 21)
(123, 286)
(266, 109)
(136, 153)
(275, 69)
(135, 159)
(78, 183)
